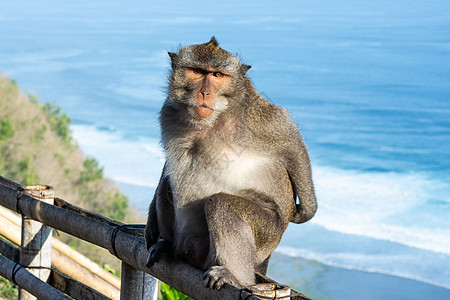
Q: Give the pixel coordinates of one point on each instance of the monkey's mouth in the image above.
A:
(203, 111)
(204, 106)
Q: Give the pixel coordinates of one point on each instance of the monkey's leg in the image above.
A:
(232, 221)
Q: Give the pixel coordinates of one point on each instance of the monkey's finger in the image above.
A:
(207, 280)
(219, 283)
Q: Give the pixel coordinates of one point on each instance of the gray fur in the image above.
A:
(227, 192)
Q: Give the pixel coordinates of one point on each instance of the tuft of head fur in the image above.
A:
(207, 55)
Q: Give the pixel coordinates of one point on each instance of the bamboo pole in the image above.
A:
(74, 288)
(12, 232)
(36, 242)
(72, 269)
(9, 183)
(69, 252)
(136, 284)
(9, 250)
(27, 281)
(58, 280)
(87, 263)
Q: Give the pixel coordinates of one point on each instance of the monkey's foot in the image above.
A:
(217, 276)
(157, 251)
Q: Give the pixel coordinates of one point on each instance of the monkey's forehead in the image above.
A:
(208, 55)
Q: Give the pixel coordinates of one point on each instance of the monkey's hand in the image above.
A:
(217, 276)
(161, 249)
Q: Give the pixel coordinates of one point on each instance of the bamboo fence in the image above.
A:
(128, 247)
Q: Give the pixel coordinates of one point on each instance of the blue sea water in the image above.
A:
(368, 82)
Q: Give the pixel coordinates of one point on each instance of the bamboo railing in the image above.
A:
(65, 259)
(120, 241)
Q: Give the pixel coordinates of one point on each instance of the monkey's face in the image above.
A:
(203, 82)
(208, 87)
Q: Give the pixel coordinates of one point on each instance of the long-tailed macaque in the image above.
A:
(234, 165)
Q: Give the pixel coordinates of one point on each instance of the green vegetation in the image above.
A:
(117, 206)
(109, 269)
(36, 147)
(169, 293)
(24, 171)
(59, 121)
(6, 130)
(91, 171)
(8, 289)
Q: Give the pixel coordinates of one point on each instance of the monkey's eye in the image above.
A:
(217, 74)
(198, 71)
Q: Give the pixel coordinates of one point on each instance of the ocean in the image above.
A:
(368, 82)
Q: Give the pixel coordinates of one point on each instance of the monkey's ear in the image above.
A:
(213, 41)
(245, 68)
(173, 58)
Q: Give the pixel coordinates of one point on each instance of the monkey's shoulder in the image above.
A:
(271, 123)
(266, 113)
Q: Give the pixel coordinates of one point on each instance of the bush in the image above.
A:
(6, 130)
(169, 293)
(23, 172)
(116, 208)
(59, 121)
(8, 289)
(91, 171)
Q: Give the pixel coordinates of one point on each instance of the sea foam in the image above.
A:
(389, 206)
(137, 162)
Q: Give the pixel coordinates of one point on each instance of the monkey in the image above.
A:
(237, 170)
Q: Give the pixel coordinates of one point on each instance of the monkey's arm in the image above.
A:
(160, 213)
(299, 169)
(151, 229)
(159, 229)
(297, 162)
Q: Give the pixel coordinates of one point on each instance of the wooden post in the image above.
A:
(36, 244)
(135, 284)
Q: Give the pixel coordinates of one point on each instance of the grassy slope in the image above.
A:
(36, 148)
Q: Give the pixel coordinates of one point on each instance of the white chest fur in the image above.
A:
(228, 170)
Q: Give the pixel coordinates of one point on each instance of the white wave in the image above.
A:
(399, 265)
(134, 162)
(387, 206)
